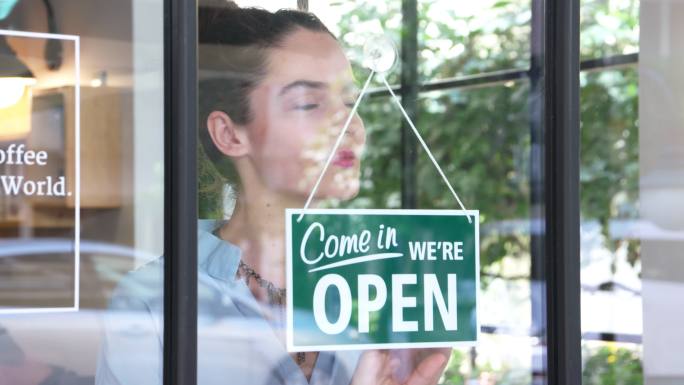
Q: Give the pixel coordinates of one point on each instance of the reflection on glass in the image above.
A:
(454, 39)
(462, 127)
(267, 123)
(608, 28)
(612, 363)
(354, 22)
(457, 39)
(610, 252)
(631, 185)
(38, 180)
(70, 75)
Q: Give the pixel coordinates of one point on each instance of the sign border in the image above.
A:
(77, 198)
(289, 213)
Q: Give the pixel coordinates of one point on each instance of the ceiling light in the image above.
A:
(15, 76)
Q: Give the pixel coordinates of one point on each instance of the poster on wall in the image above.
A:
(39, 172)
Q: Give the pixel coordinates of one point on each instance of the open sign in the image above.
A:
(362, 279)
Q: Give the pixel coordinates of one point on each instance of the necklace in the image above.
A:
(276, 295)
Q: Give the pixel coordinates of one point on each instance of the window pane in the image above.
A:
(355, 22)
(608, 28)
(470, 38)
(451, 122)
(610, 251)
(631, 191)
(454, 39)
(81, 198)
(661, 157)
(270, 119)
(463, 127)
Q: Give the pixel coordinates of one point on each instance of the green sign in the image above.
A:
(378, 279)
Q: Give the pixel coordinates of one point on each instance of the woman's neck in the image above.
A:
(257, 227)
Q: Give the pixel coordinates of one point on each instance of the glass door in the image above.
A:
(632, 232)
(340, 192)
(349, 115)
(82, 191)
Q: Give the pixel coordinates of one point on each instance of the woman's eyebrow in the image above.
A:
(303, 83)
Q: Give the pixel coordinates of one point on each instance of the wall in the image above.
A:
(661, 150)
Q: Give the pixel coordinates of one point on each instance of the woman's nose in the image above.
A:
(357, 128)
(355, 123)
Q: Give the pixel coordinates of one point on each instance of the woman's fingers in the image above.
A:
(405, 366)
(373, 368)
(429, 369)
(412, 359)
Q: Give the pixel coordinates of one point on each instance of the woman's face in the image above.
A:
(299, 110)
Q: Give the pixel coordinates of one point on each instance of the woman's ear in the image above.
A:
(230, 138)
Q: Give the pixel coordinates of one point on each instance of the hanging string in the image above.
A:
(337, 144)
(413, 127)
(425, 147)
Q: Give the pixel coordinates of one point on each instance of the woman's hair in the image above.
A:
(233, 47)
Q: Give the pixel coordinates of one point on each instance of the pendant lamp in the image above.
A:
(15, 94)
(15, 76)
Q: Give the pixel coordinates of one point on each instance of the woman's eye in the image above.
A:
(307, 107)
(349, 104)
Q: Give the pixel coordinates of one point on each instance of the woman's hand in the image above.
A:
(401, 367)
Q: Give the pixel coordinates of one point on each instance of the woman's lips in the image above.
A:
(345, 159)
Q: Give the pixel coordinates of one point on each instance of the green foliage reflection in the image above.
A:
(609, 365)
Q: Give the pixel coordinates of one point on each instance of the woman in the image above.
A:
(275, 91)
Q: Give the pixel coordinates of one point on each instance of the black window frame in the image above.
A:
(554, 110)
(180, 193)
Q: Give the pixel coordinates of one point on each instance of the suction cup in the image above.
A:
(380, 54)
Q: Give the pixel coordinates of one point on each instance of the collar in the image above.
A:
(217, 257)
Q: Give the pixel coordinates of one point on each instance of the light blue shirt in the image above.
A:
(236, 344)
